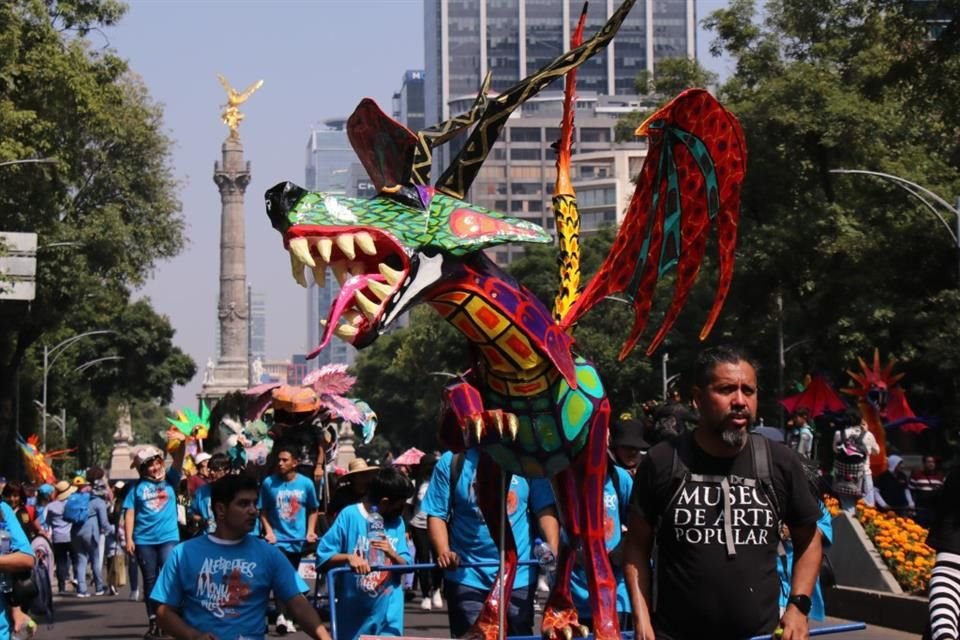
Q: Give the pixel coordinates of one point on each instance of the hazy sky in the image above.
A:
(317, 58)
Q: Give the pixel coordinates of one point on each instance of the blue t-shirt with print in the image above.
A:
(616, 504)
(222, 587)
(286, 505)
(154, 507)
(469, 536)
(377, 608)
(18, 543)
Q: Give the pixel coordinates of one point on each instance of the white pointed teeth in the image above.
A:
(365, 241)
(345, 331)
(392, 275)
(296, 268)
(340, 271)
(367, 306)
(345, 242)
(301, 248)
(320, 274)
(379, 289)
(324, 246)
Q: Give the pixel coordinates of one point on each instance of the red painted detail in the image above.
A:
(466, 223)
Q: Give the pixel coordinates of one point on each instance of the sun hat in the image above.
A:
(358, 466)
(144, 455)
(201, 457)
(80, 481)
(64, 490)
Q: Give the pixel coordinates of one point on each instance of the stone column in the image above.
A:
(231, 371)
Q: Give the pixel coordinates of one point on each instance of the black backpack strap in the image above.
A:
(763, 470)
(679, 471)
(456, 470)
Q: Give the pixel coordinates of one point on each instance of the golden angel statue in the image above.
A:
(231, 115)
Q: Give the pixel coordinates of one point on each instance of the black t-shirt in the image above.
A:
(944, 535)
(701, 592)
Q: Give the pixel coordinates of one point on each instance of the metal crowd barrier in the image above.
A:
(626, 635)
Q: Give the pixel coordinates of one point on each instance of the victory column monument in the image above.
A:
(231, 372)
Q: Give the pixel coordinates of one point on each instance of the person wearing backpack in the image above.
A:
(853, 444)
(713, 501)
(87, 514)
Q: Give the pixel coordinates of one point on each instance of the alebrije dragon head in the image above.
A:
(386, 251)
(874, 383)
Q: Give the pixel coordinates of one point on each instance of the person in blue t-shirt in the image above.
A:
(216, 587)
(818, 609)
(150, 518)
(616, 506)
(16, 558)
(200, 512)
(460, 535)
(374, 599)
(288, 512)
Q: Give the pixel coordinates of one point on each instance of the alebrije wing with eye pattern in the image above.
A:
(692, 175)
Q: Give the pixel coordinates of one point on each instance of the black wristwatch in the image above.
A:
(802, 603)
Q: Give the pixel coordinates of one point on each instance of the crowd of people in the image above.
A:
(737, 521)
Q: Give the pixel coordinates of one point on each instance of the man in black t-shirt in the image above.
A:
(713, 501)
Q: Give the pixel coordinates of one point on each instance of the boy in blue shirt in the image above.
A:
(200, 511)
(375, 599)
(288, 512)
(217, 586)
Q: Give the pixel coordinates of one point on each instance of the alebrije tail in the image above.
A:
(566, 214)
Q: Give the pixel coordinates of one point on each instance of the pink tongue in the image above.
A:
(344, 300)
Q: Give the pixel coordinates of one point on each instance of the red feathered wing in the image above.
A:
(693, 174)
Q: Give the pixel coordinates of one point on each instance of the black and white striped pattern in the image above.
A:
(945, 597)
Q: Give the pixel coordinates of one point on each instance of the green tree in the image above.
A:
(110, 192)
(671, 77)
(825, 85)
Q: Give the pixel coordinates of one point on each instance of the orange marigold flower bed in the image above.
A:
(900, 542)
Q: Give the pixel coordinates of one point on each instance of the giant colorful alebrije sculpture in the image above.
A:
(533, 406)
(882, 403)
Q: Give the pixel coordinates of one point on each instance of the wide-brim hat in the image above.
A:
(358, 466)
(64, 490)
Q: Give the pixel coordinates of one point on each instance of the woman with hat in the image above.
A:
(150, 517)
(60, 532)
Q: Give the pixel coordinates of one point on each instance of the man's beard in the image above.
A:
(736, 438)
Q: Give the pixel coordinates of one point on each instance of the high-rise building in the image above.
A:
(257, 326)
(514, 38)
(408, 104)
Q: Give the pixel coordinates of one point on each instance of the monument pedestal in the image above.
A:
(122, 454)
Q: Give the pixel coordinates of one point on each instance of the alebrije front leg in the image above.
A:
(465, 423)
(560, 618)
(492, 498)
(591, 467)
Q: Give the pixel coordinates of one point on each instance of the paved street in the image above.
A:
(116, 618)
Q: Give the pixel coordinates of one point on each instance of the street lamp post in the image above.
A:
(49, 357)
(925, 196)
